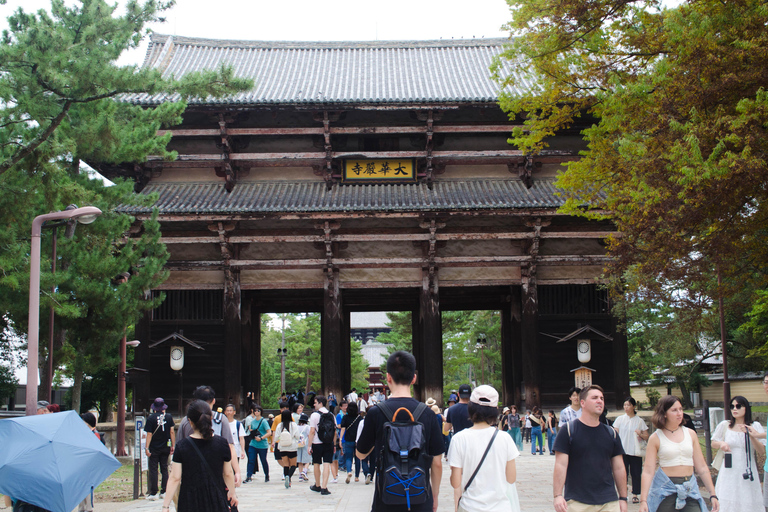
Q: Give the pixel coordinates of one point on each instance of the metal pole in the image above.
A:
(51, 318)
(120, 449)
(707, 434)
(33, 333)
(726, 382)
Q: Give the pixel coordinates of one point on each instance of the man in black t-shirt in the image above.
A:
(589, 461)
(161, 439)
(458, 414)
(401, 373)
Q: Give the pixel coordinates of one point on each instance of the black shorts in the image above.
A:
(322, 453)
(277, 454)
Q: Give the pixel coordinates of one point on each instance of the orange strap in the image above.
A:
(402, 409)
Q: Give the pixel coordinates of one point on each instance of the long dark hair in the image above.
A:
(200, 415)
(287, 419)
(748, 410)
(353, 410)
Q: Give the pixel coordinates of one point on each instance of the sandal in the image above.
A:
(635, 499)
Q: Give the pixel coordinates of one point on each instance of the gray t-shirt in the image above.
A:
(185, 429)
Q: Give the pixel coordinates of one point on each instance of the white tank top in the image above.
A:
(675, 454)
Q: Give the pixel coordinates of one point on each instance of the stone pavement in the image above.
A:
(534, 486)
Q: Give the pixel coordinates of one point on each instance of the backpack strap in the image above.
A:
(386, 409)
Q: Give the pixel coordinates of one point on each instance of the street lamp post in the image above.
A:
(84, 215)
(120, 449)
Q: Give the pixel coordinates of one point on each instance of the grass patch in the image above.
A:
(117, 487)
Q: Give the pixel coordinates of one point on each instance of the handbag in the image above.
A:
(717, 462)
(209, 472)
(640, 446)
(472, 478)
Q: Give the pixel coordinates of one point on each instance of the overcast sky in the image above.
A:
(315, 20)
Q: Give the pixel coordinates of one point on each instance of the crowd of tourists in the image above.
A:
(400, 443)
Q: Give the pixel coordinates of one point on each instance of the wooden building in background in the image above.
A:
(371, 176)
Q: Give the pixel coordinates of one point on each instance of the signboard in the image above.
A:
(699, 419)
(137, 437)
(382, 169)
(144, 458)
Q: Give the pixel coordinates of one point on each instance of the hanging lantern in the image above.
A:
(177, 357)
(584, 349)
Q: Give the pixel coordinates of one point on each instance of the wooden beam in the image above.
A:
(346, 130)
(343, 263)
(386, 237)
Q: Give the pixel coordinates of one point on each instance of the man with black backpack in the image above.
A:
(408, 442)
(322, 432)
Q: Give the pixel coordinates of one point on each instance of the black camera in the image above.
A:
(728, 460)
(748, 475)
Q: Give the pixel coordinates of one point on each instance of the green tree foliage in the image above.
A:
(676, 148)
(60, 87)
(302, 363)
(463, 361)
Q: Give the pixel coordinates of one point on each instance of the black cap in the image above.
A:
(465, 391)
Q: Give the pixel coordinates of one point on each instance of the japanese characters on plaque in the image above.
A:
(381, 169)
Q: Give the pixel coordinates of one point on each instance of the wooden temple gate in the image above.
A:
(328, 189)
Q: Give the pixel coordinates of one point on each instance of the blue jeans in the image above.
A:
(551, 435)
(536, 436)
(262, 453)
(517, 436)
(349, 455)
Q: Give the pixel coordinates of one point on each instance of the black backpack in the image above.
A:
(403, 462)
(326, 428)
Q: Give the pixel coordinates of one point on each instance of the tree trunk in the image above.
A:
(77, 389)
(686, 398)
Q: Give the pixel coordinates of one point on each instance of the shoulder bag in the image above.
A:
(210, 474)
(472, 478)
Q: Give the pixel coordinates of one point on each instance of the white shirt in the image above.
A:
(568, 414)
(489, 488)
(314, 420)
(237, 435)
(626, 427)
(352, 397)
(361, 405)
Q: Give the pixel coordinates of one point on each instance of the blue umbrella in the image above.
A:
(52, 460)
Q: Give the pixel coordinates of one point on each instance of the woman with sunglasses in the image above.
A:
(738, 486)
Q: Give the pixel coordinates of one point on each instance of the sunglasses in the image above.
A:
(736, 406)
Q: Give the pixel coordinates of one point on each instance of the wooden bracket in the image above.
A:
(524, 168)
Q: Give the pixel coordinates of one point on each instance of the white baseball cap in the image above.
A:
(485, 395)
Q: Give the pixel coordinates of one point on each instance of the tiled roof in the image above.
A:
(308, 197)
(294, 73)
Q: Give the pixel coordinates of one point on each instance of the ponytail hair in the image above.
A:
(201, 417)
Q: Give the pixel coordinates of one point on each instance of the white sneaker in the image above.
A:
(162, 495)
(151, 497)
(282, 477)
(335, 481)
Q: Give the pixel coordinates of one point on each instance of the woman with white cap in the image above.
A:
(483, 462)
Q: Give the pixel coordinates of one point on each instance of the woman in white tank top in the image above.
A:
(673, 487)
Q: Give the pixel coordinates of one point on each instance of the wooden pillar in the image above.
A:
(141, 379)
(331, 348)
(246, 350)
(232, 337)
(510, 348)
(529, 331)
(346, 353)
(620, 361)
(429, 354)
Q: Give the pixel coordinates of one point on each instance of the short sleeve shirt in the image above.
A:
(160, 426)
(372, 436)
(488, 489)
(259, 427)
(314, 420)
(627, 427)
(589, 477)
(458, 417)
(568, 414)
(185, 430)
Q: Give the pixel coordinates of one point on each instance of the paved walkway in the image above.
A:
(534, 485)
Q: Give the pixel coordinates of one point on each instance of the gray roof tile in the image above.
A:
(309, 197)
(378, 72)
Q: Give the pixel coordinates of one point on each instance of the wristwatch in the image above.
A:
(623, 499)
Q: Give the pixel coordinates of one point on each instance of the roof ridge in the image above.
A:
(157, 38)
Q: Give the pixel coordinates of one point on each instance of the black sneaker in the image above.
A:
(315, 488)
(325, 492)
